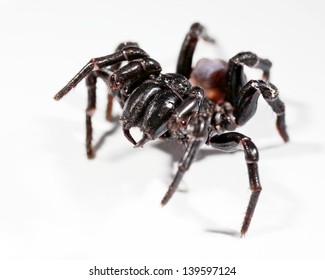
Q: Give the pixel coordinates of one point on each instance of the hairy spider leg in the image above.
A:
(244, 95)
(233, 141)
(184, 63)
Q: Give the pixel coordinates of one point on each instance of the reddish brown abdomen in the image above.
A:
(211, 76)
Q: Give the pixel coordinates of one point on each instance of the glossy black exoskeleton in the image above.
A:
(168, 106)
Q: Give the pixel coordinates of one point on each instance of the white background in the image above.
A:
(57, 205)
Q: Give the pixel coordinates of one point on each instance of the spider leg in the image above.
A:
(137, 69)
(233, 141)
(236, 77)
(121, 47)
(91, 81)
(114, 67)
(184, 164)
(184, 63)
(109, 107)
(247, 104)
(251, 60)
(198, 134)
(127, 54)
(244, 95)
(90, 110)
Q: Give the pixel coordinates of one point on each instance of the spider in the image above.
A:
(196, 105)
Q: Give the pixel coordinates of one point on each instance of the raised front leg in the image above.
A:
(120, 47)
(233, 141)
(184, 63)
(126, 54)
(116, 77)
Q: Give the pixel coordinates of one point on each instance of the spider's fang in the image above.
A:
(145, 138)
(128, 136)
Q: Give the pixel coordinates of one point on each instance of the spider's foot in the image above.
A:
(145, 138)
(281, 127)
(245, 226)
(284, 135)
(64, 91)
(128, 135)
(165, 199)
(173, 186)
(91, 154)
(170, 193)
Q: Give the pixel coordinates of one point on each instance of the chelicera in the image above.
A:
(196, 105)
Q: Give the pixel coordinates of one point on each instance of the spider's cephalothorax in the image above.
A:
(168, 106)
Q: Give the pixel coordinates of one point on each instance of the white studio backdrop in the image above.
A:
(57, 205)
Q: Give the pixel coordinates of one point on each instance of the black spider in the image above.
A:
(167, 105)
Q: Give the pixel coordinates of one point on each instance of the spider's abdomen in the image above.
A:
(211, 76)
